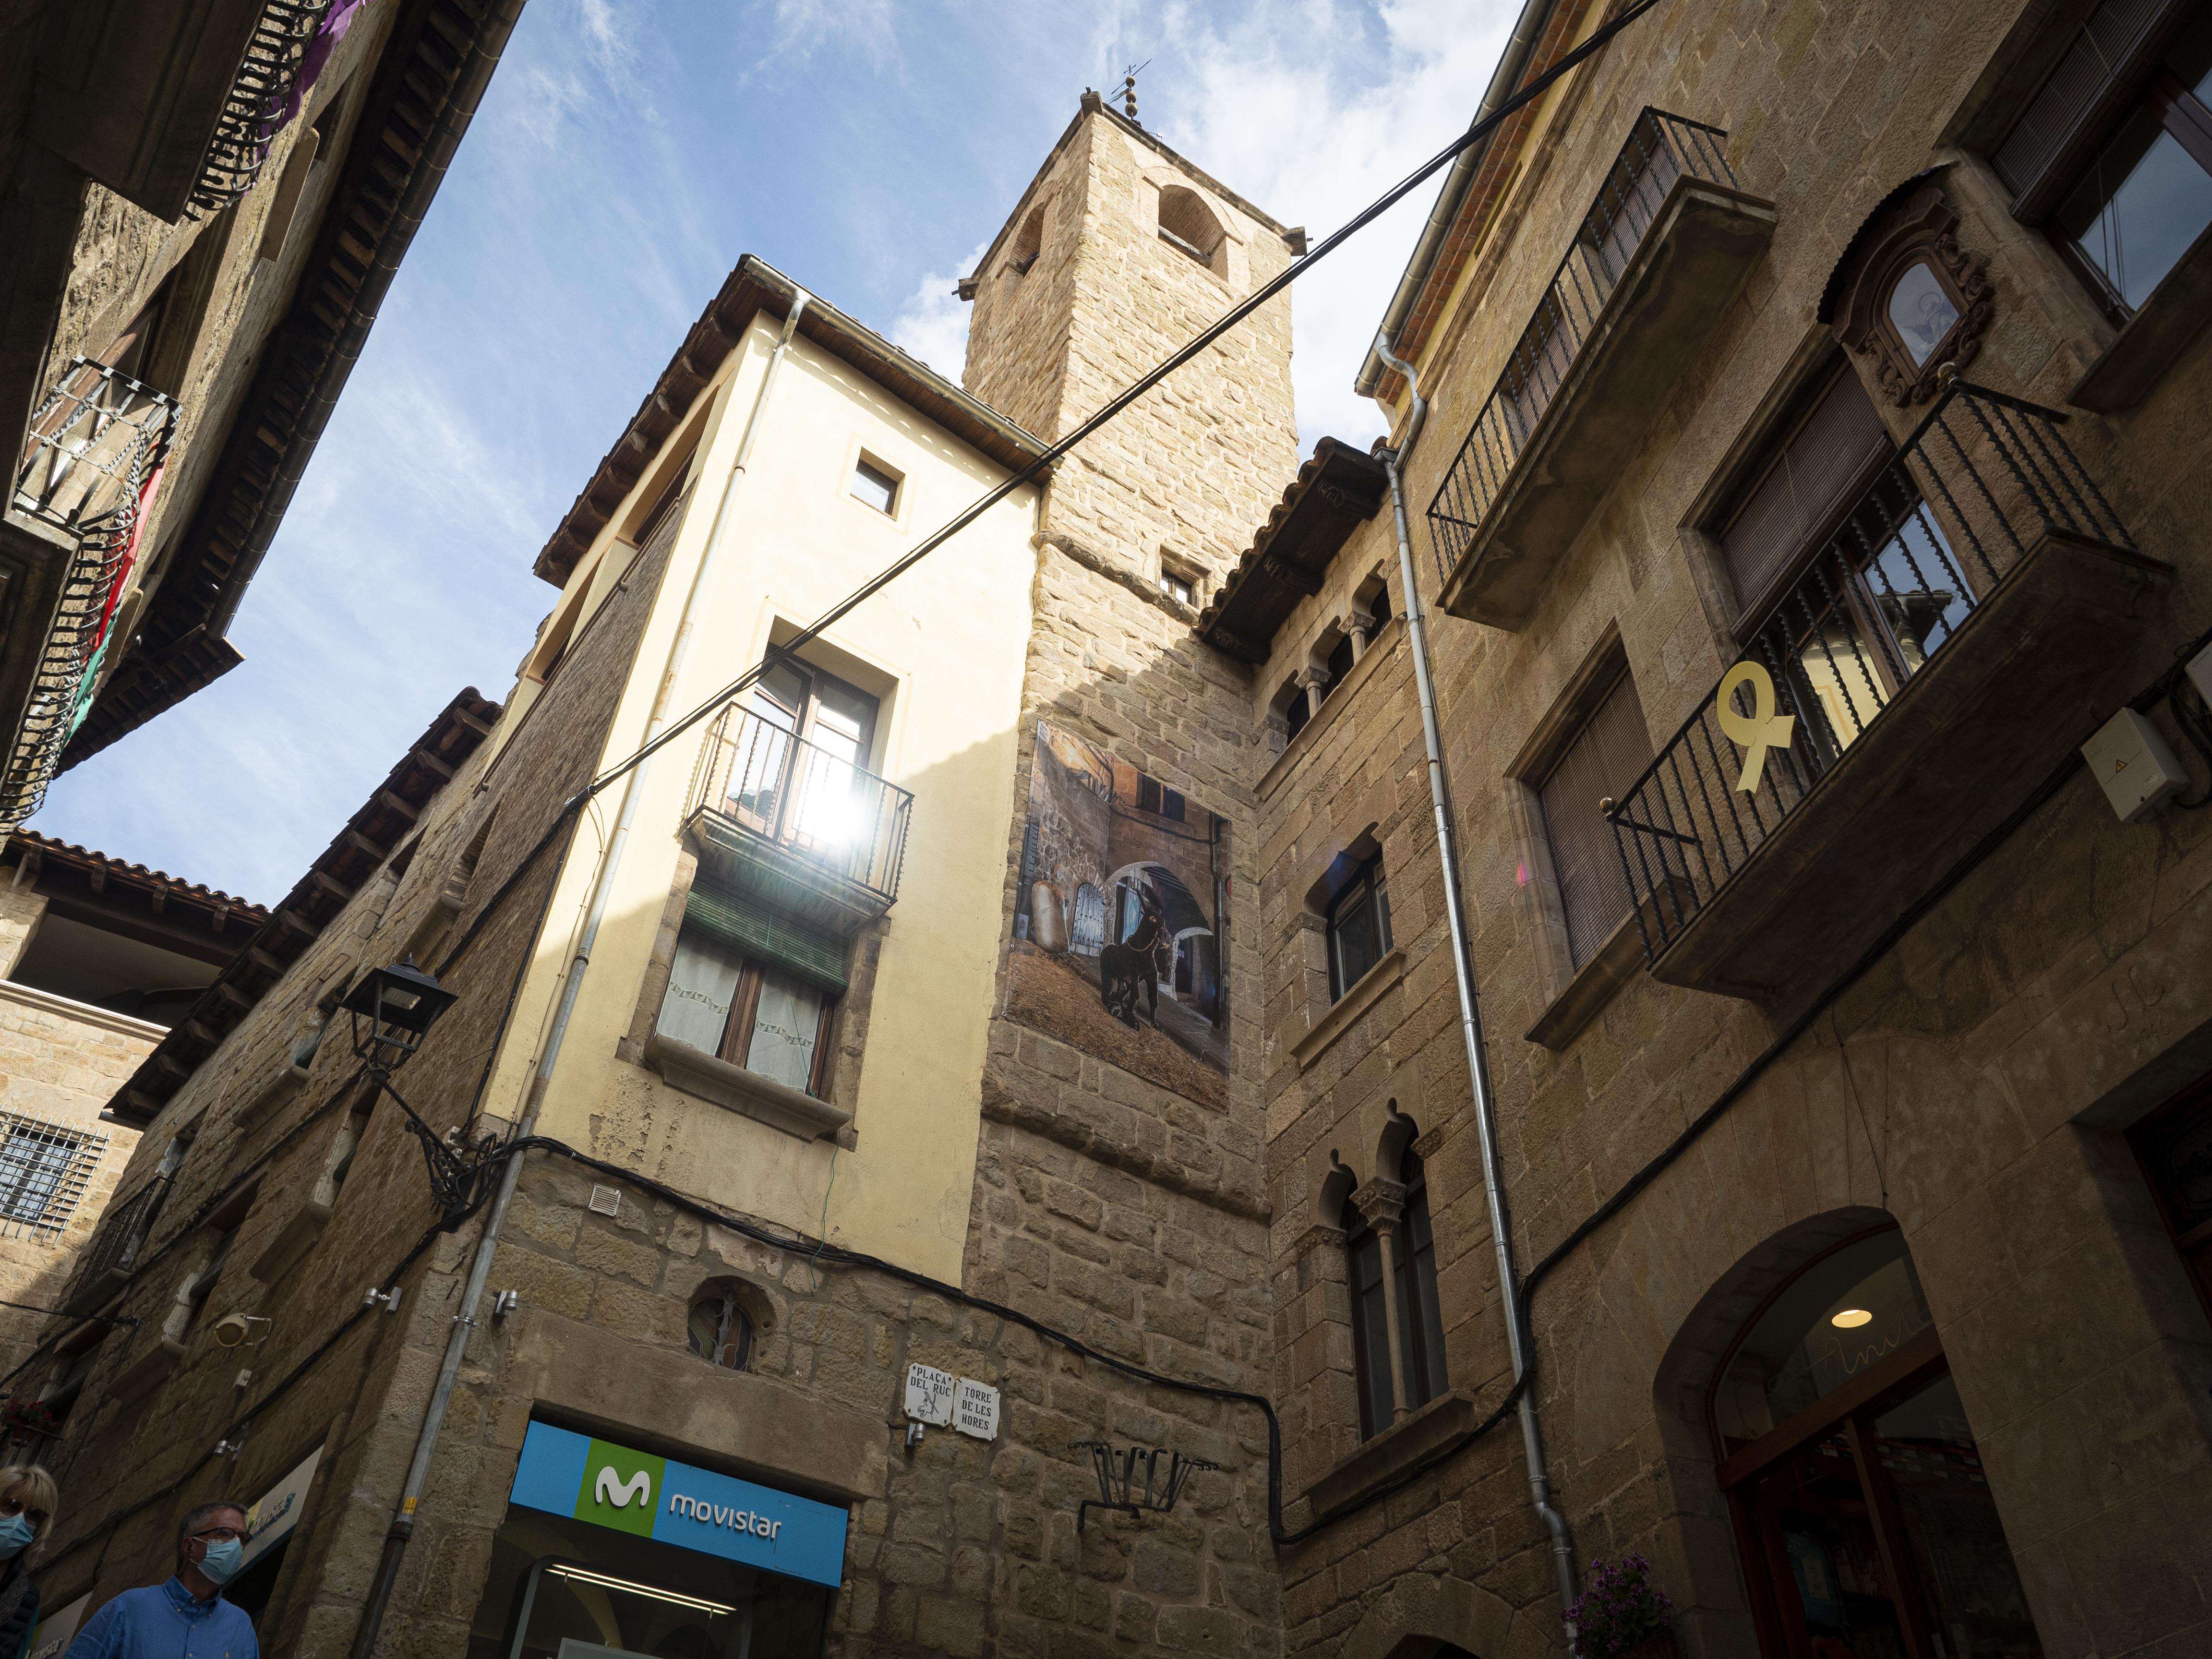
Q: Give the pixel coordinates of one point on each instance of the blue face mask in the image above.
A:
(221, 1562)
(16, 1535)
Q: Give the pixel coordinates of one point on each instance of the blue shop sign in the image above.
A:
(657, 1497)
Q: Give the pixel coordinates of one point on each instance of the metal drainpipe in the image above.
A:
(418, 1471)
(1470, 1019)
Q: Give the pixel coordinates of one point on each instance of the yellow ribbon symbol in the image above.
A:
(1762, 730)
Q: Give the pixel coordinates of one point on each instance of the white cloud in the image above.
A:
(932, 323)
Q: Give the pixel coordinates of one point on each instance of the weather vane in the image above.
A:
(1129, 88)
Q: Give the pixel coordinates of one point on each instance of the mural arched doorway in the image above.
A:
(1088, 936)
(1865, 1524)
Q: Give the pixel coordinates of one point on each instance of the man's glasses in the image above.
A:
(218, 1534)
(13, 1506)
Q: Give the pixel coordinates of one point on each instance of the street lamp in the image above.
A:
(399, 1004)
(392, 1008)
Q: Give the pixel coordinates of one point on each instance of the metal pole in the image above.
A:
(1470, 1019)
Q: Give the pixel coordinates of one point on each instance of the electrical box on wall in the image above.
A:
(2135, 765)
(2200, 674)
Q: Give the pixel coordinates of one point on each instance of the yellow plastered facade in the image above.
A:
(948, 640)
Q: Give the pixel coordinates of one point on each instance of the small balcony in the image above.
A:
(89, 468)
(1658, 261)
(108, 1260)
(795, 825)
(1943, 651)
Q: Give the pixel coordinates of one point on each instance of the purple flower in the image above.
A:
(1620, 1610)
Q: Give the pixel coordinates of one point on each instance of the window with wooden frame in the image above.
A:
(2113, 154)
(1860, 1505)
(2174, 1146)
(1358, 927)
(1420, 1313)
(754, 990)
(1849, 580)
(1371, 1322)
(1602, 760)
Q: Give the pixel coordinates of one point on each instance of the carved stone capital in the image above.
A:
(1381, 1203)
(1313, 677)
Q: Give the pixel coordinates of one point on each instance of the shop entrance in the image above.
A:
(562, 1588)
(610, 1552)
(1865, 1523)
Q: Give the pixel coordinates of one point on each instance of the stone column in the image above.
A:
(1314, 681)
(1360, 624)
(1383, 1203)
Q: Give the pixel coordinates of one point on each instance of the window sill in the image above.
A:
(1382, 645)
(294, 1240)
(282, 1088)
(1392, 1452)
(694, 1072)
(1619, 960)
(2154, 339)
(148, 1372)
(1365, 993)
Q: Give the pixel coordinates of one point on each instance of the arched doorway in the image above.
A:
(1864, 1521)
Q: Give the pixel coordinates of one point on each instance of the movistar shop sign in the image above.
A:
(634, 1492)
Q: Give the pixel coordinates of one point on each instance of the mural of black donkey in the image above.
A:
(1126, 968)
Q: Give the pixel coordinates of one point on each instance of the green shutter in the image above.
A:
(770, 939)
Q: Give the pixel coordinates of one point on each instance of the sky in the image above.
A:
(627, 152)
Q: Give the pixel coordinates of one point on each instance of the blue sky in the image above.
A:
(627, 152)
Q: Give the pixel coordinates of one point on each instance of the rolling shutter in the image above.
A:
(1607, 756)
(2044, 146)
(1833, 451)
(767, 938)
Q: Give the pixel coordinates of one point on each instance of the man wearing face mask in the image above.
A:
(26, 1510)
(186, 1617)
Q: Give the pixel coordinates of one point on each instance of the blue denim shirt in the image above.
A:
(166, 1622)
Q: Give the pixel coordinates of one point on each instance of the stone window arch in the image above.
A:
(1029, 242)
(1189, 225)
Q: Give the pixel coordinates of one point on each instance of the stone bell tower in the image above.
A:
(1118, 253)
(1120, 1191)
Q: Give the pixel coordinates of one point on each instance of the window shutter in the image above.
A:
(2104, 57)
(767, 938)
(1607, 756)
(1833, 449)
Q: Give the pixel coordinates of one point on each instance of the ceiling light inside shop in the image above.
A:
(585, 1575)
(1850, 1319)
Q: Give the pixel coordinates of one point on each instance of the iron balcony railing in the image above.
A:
(113, 1253)
(804, 799)
(255, 108)
(1944, 520)
(88, 468)
(1660, 150)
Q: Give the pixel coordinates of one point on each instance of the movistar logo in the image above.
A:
(619, 1492)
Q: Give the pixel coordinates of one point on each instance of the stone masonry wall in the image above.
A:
(1108, 1206)
(327, 1371)
(1970, 1088)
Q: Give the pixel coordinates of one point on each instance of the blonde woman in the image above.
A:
(27, 1500)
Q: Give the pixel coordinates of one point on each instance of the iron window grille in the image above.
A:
(44, 1169)
(88, 464)
(1661, 149)
(253, 111)
(114, 1248)
(1939, 528)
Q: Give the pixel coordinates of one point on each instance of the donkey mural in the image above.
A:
(1126, 968)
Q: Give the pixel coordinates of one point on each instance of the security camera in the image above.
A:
(232, 1330)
